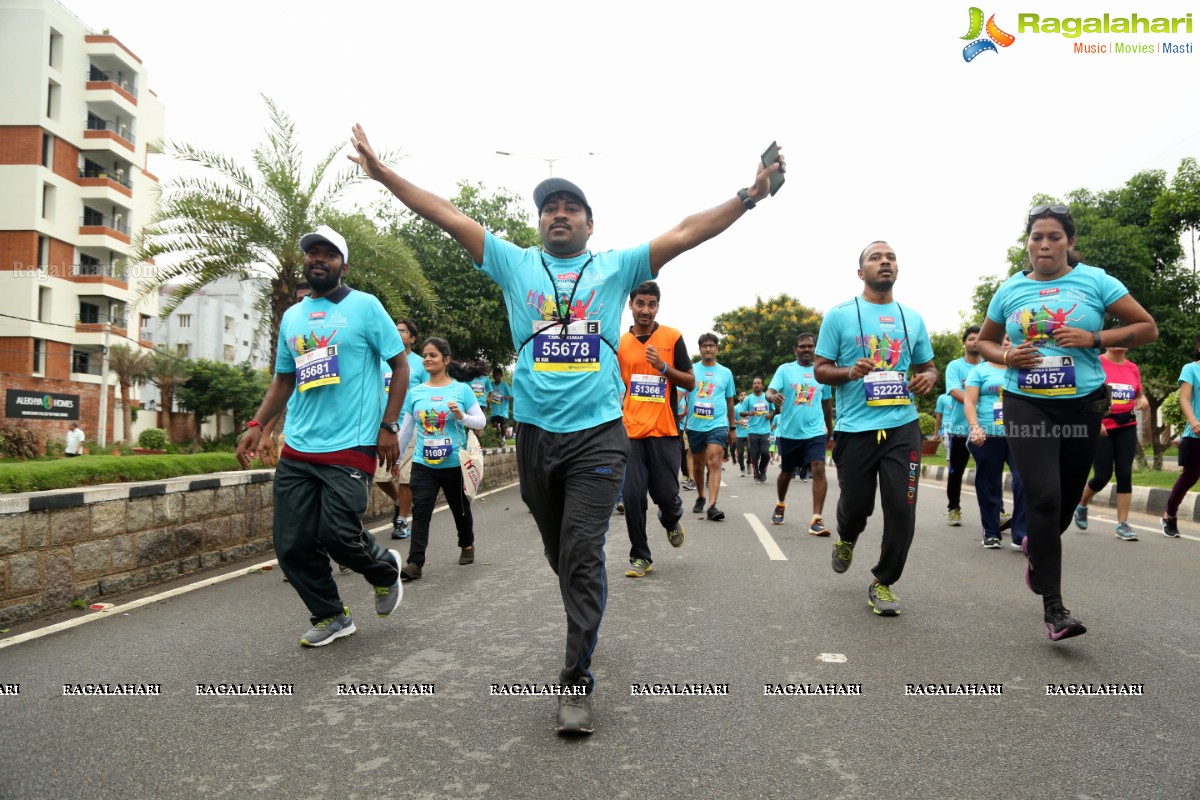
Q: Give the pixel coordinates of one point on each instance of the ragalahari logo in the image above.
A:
(995, 36)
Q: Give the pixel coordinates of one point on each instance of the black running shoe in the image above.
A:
(1061, 625)
(698, 508)
(715, 514)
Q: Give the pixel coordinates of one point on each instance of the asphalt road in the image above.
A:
(719, 610)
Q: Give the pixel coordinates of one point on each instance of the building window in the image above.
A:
(48, 200)
(229, 324)
(229, 354)
(43, 249)
(53, 100)
(47, 150)
(89, 314)
(39, 356)
(43, 304)
(185, 320)
(183, 350)
(55, 49)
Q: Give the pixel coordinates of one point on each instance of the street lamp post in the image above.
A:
(549, 161)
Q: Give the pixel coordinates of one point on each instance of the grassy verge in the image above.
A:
(1164, 479)
(66, 473)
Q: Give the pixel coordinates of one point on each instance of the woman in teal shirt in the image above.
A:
(1054, 391)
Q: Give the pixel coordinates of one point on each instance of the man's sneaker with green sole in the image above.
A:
(328, 629)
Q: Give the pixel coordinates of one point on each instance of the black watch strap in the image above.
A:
(394, 427)
(744, 196)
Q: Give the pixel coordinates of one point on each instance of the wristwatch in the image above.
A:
(394, 427)
(744, 196)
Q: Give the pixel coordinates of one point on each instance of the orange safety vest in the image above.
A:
(649, 407)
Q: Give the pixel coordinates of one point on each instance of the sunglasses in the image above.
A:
(1057, 208)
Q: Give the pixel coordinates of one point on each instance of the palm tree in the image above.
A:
(245, 223)
(131, 367)
(168, 373)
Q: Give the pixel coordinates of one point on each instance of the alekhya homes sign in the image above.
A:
(20, 404)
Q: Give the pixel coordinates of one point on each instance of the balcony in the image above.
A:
(146, 338)
(98, 128)
(94, 322)
(117, 176)
(100, 225)
(115, 80)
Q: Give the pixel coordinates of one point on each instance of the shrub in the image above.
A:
(153, 439)
(40, 476)
(18, 442)
(928, 424)
(488, 437)
(1172, 414)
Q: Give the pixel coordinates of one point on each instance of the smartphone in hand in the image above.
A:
(769, 157)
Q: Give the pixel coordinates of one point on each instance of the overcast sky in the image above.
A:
(888, 132)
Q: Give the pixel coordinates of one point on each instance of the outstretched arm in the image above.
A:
(438, 210)
(705, 225)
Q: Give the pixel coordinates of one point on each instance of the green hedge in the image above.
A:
(37, 476)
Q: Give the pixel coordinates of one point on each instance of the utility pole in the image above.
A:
(102, 427)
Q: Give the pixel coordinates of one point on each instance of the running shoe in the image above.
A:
(574, 714)
(1125, 532)
(410, 572)
(620, 508)
(1016, 545)
(777, 514)
(1081, 521)
(817, 527)
(400, 529)
(638, 568)
(467, 556)
(954, 517)
(715, 514)
(675, 535)
(991, 542)
(1170, 526)
(698, 508)
(882, 600)
(843, 554)
(388, 597)
(1005, 520)
(329, 629)
(688, 485)
(1061, 625)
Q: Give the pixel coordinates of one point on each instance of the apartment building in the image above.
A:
(78, 123)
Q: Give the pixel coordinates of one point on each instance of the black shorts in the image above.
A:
(795, 453)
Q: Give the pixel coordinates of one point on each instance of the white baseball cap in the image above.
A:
(325, 234)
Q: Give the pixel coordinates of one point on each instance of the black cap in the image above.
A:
(555, 185)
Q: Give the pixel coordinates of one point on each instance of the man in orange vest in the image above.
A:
(654, 361)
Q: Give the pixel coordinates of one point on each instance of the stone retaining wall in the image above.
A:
(82, 544)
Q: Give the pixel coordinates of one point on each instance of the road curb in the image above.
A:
(1146, 499)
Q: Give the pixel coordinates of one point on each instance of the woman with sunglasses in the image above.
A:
(1054, 387)
(439, 411)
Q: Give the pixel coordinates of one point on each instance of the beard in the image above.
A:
(328, 283)
(881, 285)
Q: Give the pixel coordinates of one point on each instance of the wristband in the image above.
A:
(849, 374)
(744, 196)
(663, 371)
(1096, 341)
(253, 424)
(1006, 356)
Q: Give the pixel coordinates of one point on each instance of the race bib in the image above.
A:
(704, 411)
(495, 398)
(317, 368)
(648, 388)
(998, 414)
(434, 449)
(886, 388)
(1122, 393)
(760, 409)
(577, 351)
(1054, 376)
(387, 383)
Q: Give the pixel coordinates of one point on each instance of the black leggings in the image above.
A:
(739, 449)
(957, 459)
(1053, 443)
(1189, 459)
(1117, 448)
(426, 482)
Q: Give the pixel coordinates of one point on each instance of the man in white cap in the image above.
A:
(564, 310)
(327, 373)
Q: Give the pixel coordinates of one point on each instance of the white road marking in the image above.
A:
(764, 538)
(145, 601)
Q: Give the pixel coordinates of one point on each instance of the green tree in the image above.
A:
(1181, 202)
(756, 339)
(247, 222)
(213, 388)
(947, 346)
(132, 368)
(470, 311)
(168, 372)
